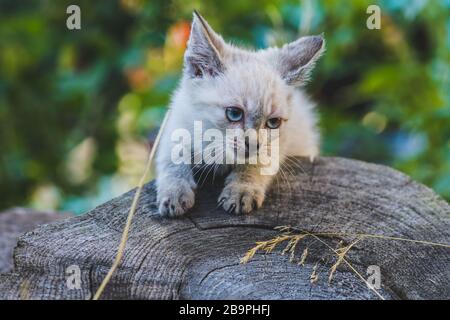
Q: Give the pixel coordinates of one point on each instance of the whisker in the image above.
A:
(289, 169)
(198, 168)
(205, 168)
(212, 166)
(207, 174)
(216, 166)
(286, 180)
(296, 163)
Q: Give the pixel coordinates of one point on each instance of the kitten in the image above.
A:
(226, 87)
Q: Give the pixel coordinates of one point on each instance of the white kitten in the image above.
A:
(226, 87)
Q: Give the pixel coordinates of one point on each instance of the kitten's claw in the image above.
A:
(175, 197)
(241, 198)
(231, 208)
(220, 202)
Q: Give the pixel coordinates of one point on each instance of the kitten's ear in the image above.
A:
(204, 50)
(296, 60)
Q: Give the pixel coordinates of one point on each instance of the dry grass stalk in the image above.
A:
(314, 277)
(266, 246)
(24, 291)
(341, 252)
(365, 235)
(303, 257)
(351, 267)
(126, 230)
(294, 235)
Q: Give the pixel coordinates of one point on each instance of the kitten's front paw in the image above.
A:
(175, 197)
(241, 198)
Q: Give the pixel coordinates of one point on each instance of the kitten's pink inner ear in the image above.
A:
(297, 59)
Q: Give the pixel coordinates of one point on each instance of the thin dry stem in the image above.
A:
(351, 267)
(24, 291)
(303, 257)
(366, 235)
(341, 252)
(314, 277)
(266, 246)
(136, 197)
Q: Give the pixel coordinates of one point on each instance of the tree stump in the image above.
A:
(16, 221)
(198, 256)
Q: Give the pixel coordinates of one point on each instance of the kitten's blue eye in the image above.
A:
(234, 114)
(273, 123)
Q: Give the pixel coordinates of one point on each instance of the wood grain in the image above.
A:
(16, 221)
(197, 257)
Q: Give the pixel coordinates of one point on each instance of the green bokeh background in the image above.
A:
(77, 106)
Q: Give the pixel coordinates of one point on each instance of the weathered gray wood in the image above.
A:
(197, 257)
(16, 221)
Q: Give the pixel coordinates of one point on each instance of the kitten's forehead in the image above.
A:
(258, 88)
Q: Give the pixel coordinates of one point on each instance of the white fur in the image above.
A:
(259, 82)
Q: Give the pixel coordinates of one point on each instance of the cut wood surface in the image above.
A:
(15, 222)
(198, 256)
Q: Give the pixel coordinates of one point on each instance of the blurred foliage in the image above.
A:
(76, 107)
